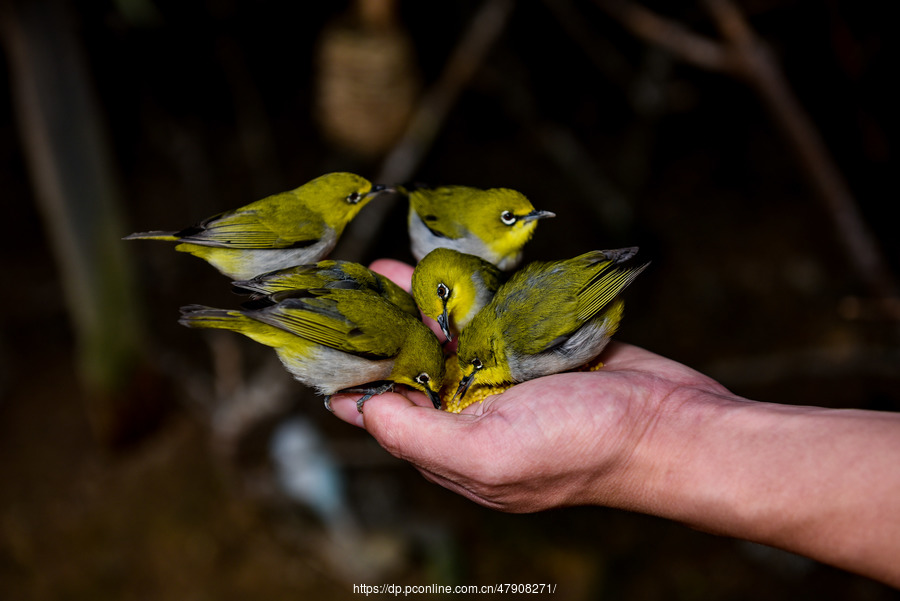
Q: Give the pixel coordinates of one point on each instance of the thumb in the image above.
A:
(399, 273)
(428, 438)
(454, 450)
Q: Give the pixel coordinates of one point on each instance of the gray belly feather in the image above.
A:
(423, 241)
(583, 346)
(256, 261)
(328, 370)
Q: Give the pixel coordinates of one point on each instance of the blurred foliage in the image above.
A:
(210, 105)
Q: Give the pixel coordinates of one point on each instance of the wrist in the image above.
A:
(720, 463)
(819, 482)
(663, 467)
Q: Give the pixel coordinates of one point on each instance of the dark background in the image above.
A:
(208, 106)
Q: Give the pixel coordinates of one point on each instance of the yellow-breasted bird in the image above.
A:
(290, 228)
(548, 318)
(272, 287)
(451, 287)
(339, 341)
(494, 224)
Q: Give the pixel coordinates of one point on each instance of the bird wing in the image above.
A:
(531, 309)
(435, 207)
(324, 274)
(607, 278)
(323, 320)
(582, 290)
(257, 227)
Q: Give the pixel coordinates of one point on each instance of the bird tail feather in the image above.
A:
(200, 316)
(154, 235)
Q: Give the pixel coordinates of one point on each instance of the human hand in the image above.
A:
(565, 439)
(648, 434)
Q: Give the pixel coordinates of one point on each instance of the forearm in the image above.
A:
(648, 434)
(822, 483)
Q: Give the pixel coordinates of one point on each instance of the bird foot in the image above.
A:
(368, 393)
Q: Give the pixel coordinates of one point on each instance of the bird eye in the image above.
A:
(443, 291)
(507, 218)
(477, 364)
(354, 198)
(423, 378)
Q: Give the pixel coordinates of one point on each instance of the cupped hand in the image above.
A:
(565, 439)
(648, 434)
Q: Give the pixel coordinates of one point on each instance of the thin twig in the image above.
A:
(761, 70)
(671, 35)
(403, 160)
(743, 54)
(600, 50)
(68, 155)
(467, 57)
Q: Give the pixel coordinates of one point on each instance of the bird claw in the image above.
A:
(360, 402)
(372, 392)
(369, 392)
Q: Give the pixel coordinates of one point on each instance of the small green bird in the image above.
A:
(548, 318)
(275, 286)
(451, 287)
(494, 224)
(339, 341)
(291, 228)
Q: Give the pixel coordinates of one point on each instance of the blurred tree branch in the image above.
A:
(680, 41)
(741, 53)
(484, 29)
(404, 158)
(64, 141)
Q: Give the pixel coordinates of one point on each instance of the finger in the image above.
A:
(398, 272)
(344, 406)
(428, 438)
(418, 398)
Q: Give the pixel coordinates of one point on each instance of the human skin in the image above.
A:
(648, 434)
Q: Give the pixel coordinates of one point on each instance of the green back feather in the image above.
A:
(332, 274)
(291, 219)
(544, 303)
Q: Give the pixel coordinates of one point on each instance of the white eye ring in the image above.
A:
(507, 218)
(477, 364)
(354, 198)
(423, 378)
(443, 291)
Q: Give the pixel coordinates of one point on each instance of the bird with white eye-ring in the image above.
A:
(494, 224)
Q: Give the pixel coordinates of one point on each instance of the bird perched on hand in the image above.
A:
(270, 288)
(291, 228)
(548, 318)
(339, 341)
(494, 224)
(451, 287)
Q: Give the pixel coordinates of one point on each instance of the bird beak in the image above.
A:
(443, 320)
(435, 398)
(464, 386)
(535, 215)
(378, 190)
